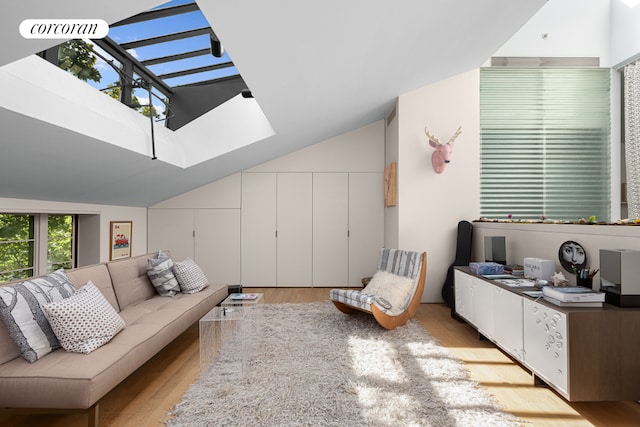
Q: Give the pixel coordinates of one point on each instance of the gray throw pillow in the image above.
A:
(160, 272)
(21, 310)
(190, 276)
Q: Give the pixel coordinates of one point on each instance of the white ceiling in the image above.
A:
(317, 69)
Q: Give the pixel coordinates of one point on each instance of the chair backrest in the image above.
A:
(400, 262)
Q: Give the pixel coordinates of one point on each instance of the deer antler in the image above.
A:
(455, 135)
(431, 137)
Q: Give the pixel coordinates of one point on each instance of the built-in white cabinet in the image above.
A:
(474, 302)
(545, 340)
(330, 229)
(585, 354)
(171, 229)
(508, 321)
(210, 237)
(217, 244)
(258, 229)
(294, 229)
(483, 307)
(464, 296)
(322, 229)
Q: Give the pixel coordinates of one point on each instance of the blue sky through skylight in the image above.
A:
(159, 27)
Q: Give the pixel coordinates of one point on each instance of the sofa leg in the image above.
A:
(93, 414)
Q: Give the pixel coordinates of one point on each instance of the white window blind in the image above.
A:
(545, 143)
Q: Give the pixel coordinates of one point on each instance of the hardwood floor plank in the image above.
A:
(147, 396)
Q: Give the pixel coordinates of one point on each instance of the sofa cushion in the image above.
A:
(190, 276)
(160, 272)
(84, 321)
(21, 311)
(130, 281)
(99, 276)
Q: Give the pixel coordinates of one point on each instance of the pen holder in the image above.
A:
(587, 282)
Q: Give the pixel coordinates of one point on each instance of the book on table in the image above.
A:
(573, 294)
(573, 303)
(244, 297)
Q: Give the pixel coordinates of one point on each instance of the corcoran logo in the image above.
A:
(63, 28)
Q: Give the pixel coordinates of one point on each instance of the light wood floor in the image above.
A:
(145, 398)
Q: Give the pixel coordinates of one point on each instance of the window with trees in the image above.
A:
(35, 244)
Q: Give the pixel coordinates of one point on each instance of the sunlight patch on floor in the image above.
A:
(371, 358)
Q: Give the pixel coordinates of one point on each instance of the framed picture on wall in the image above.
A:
(120, 239)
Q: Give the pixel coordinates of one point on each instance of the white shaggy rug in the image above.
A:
(311, 365)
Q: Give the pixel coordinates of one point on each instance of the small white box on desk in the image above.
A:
(539, 268)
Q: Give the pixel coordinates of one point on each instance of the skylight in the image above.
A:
(157, 56)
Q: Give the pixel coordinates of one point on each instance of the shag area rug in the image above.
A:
(311, 365)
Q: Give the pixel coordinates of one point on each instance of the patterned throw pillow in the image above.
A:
(84, 321)
(21, 311)
(160, 272)
(190, 276)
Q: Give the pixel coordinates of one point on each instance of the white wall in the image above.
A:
(430, 205)
(94, 241)
(360, 150)
(574, 28)
(625, 32)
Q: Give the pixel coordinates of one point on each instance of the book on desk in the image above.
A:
(573, 294)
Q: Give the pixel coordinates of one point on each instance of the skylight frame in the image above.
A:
(161, 13)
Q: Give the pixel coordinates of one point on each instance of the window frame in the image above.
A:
(40, 239)
(523, 122)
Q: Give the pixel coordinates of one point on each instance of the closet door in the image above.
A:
(330, 229)
(258, 229)
(366, 224)
(217, 244)
(171, 229)
(294, 229)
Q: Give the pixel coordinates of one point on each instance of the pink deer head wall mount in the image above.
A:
(442, 154)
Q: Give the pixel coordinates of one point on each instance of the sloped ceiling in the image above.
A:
(317, 69)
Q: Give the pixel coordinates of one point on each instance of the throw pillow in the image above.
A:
(392, 291)
(84, 321)
(160, 272)
(21, 311)
(190, 276)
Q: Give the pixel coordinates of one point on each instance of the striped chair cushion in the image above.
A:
(400, 262)
(396, 261)
(351, 297)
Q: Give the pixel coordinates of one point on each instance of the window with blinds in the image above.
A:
(545, 143)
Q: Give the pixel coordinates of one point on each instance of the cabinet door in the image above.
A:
(258, 229)
(172, 230)
(366, 225)
(483, 307)
(508, 322)
(294, 241)
(545, 343)
(217, 244)
(463, 295)
(330, 229)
